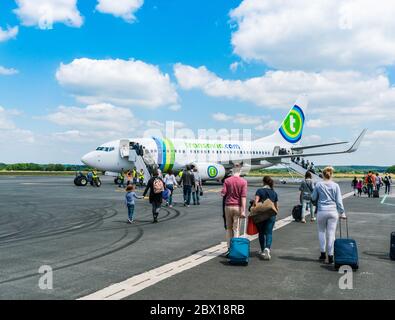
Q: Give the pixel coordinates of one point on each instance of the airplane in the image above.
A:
(214, 158)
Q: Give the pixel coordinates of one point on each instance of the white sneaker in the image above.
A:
(262, 254)
(266, 254)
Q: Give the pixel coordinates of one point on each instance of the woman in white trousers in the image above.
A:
(329, 200)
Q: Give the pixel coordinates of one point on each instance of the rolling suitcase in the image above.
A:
(239, 251)
(346, 251)
(376, 194)
(297, 213)
(392, 246)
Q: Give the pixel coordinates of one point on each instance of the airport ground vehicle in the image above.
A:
(80, 180)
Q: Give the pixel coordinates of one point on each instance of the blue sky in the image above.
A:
(184, 51)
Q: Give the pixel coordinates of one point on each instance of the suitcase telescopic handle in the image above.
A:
(340, 226)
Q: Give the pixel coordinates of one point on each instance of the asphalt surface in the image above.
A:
(81, 232)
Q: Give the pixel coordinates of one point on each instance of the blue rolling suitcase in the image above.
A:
(239, 251)
(346, 251)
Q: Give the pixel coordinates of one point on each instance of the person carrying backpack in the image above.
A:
(306, 189)
(370, 182)
(156, 187)
(187, 180)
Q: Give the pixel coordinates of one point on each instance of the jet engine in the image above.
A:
(210, 171)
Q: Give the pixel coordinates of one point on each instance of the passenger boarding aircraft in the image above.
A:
(213, 158)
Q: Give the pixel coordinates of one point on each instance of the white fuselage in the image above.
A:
(176, 154)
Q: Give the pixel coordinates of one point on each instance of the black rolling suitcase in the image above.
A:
(392, 246)
(376, 194)
(297, 213)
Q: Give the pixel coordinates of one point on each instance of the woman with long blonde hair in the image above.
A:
(329, 200)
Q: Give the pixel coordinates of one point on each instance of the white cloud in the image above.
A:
(5, 121)
(382, 137)
(84, 136)
(100, 117)
(154, 124)
(317, 123)
(312, 139)
(177, 124)
(335, 97)
(9, 33)
(44, 13)
(175, 107)
(7, 71)
(246, 119)
(120, 82)
(9, 132)
(120, 8)
(219, 116)
(272, 125)
(304, 34)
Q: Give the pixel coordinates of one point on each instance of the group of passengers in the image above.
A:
(371, 184)
(305, 164)
(325, 194)
(162, 188)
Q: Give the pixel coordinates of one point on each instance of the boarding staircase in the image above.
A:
(299, 169)
(145, 161)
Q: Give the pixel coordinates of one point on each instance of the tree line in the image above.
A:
(41, 167)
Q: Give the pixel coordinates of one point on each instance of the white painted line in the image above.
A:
(144, 280)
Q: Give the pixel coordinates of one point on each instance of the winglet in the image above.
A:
(357, 142)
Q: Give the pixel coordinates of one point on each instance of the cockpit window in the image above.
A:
(105, 149)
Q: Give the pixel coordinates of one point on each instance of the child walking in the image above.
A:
(129, 201)
(359, 187)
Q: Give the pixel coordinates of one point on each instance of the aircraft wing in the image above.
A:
(352, 149)
(318, 146)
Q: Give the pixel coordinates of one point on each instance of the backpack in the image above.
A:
(158, 186)
(370, 181)
(307, 195)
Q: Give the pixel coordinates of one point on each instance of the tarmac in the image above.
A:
(82, 234)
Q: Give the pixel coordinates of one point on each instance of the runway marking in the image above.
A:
(147, 279)
(385, 197)
(30, 183)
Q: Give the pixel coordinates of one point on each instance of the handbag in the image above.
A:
(263, 211)
(251, 227)
(201, 191)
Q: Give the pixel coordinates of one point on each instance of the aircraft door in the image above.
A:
(124, 148)
(276, 151)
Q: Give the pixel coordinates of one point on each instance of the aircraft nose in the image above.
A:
(88, 159)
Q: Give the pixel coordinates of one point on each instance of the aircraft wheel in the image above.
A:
(98, 183)
(83, 182)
